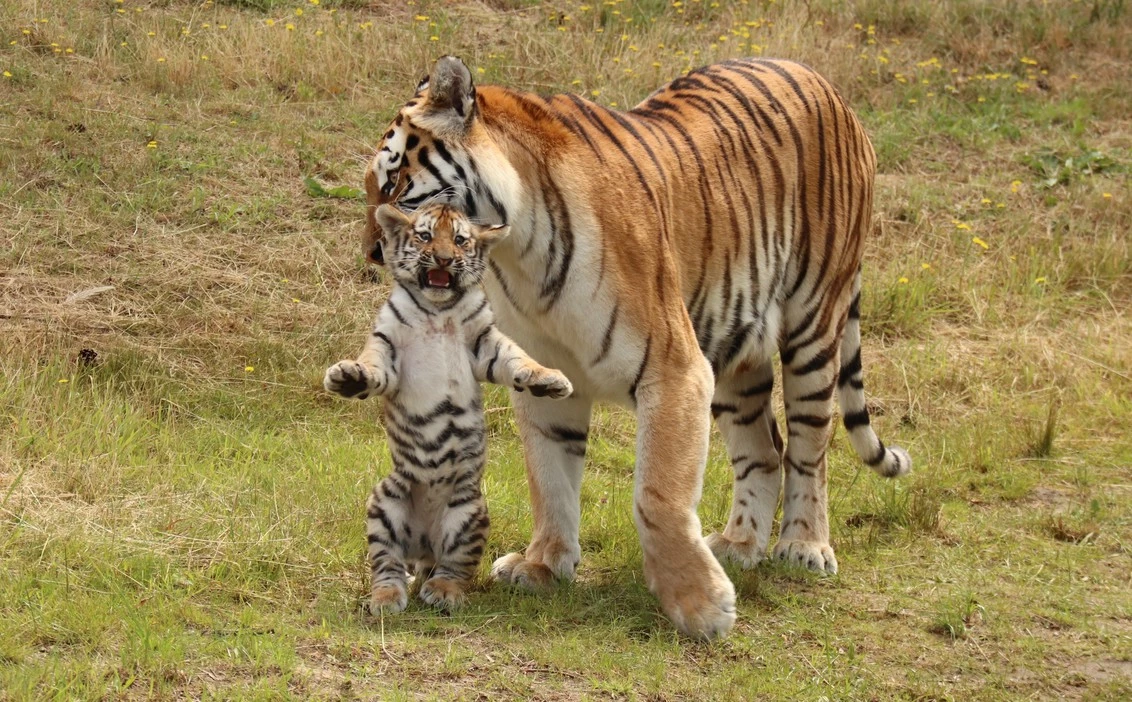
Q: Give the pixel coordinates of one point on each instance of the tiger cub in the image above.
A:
(432, 343)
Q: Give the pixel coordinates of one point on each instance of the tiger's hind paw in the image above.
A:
(746, 554)
(388, 598)
(811, 555)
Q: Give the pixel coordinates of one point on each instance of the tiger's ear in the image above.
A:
(451, 95)
(392, 221)
(489, 236)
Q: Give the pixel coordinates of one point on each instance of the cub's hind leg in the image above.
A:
(386, 533)
(463, 535)
(742, 409)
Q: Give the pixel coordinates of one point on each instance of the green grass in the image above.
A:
(173, 525)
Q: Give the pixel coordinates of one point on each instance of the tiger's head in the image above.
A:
(437, 249)
(437, 150)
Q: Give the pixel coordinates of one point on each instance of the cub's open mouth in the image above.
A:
(438, 278)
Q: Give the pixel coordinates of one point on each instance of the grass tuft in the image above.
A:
(957, 616)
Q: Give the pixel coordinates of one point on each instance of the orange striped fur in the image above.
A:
(660, 257)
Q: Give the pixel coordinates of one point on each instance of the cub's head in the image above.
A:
(436, 249)
(435, 150)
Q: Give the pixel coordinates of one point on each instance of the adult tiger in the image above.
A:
(660, 257)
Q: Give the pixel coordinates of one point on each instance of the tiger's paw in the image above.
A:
(699, 601)
(812, 555)
(536, 573)
(443, 593)
(543, 382)
(351, 379)
(388, 598)
(746, 554)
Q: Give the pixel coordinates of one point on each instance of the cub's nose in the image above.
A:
(443, 262)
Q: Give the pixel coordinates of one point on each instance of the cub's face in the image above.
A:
(436, 250)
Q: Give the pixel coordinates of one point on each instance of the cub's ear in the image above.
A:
(489, 236)
(451, 96)
(392, 221)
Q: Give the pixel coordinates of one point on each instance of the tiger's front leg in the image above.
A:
(554, 437)
(373, 373)
(672, 441)
(498, 359)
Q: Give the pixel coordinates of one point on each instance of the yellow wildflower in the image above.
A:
(1107, 196)
(249, 369)
(926, 266)
(979, 242)
(902, 280)
(151, 145)
(1040, 279)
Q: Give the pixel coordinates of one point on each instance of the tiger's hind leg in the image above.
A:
(463, 535)
(386, 531)
(742, 409)
(809, 376)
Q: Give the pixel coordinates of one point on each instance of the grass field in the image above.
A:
(181, 504)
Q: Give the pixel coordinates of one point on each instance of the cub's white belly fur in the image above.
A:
(424, 352)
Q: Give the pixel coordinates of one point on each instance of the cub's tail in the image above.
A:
(892, 461)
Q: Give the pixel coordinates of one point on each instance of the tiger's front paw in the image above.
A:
(695, 593)
(352, 379)
(543, 382)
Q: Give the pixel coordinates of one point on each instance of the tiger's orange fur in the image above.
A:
(660, 257)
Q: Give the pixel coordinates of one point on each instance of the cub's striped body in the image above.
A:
(433, 342)
(661, 257)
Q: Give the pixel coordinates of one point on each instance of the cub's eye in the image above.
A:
(460, 240)
(424, 236)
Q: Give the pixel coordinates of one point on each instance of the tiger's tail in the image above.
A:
(889, 462)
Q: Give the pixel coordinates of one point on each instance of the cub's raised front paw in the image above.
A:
(351, 379)
(543, 382)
